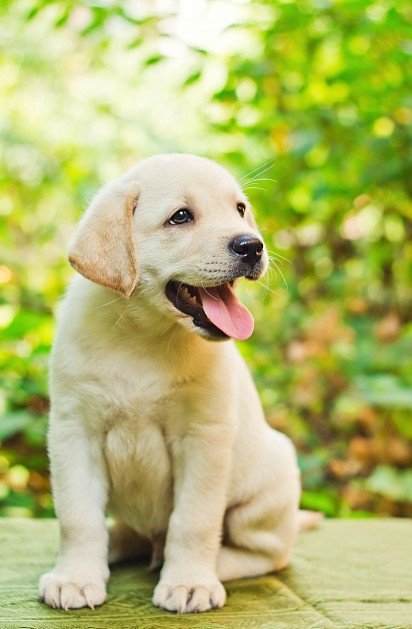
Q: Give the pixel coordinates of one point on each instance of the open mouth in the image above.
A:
(214, 308)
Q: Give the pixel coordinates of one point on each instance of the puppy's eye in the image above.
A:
(181, 216)
(241, 208)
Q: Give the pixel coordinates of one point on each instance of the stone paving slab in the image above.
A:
(347, 573)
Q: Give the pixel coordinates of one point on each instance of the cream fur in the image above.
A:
(149, 419)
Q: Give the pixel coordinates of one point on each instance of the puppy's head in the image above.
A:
(176, 231)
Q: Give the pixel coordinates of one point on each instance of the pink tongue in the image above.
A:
(224, 309)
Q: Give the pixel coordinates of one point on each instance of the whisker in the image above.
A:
(215, 298)
(274, 260)
(122, 315)
(269, 289)
(253, 188)
(254, 170)
(251, 172)
(144, 290)
(279, 256)
(264, 179)
(108, 303)
(281, 273)
(259, 174)
(272, 269)
(266, 286)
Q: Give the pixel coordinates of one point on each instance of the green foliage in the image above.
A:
(318, 94)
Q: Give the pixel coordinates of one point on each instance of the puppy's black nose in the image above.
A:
(248, 247)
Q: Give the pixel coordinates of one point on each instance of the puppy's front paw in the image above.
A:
(71, 593)
(186, 599)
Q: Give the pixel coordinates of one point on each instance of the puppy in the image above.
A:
(154, 418)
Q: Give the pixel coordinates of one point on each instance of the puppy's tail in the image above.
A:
(309, 519)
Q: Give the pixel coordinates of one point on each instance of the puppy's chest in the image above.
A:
(140, 472)
(140, 392)
(147, 414)
(139, 463)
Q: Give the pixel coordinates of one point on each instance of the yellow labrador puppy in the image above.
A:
(150, 418)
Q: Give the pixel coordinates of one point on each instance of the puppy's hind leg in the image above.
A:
(125, 543)
(259, 538)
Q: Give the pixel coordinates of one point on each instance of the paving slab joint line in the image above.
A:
(307, 604)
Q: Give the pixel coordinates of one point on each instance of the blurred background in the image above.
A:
(312, 101)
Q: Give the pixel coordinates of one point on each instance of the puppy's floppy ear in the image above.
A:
(103, 249)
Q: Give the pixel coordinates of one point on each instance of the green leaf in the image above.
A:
(192, 78)
(319, 501)
(391, 483)
(386, 391)
(13, 423)
(154, 59)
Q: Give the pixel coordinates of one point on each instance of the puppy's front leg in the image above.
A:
(80, 493)
(189, 581)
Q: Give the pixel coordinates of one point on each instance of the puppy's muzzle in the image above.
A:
(247, 248)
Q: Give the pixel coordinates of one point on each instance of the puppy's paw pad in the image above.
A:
(186, 599)
(59, 591)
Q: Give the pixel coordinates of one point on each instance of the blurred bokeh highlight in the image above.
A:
(316, 93)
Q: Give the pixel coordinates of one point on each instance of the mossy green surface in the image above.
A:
(345, 574)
